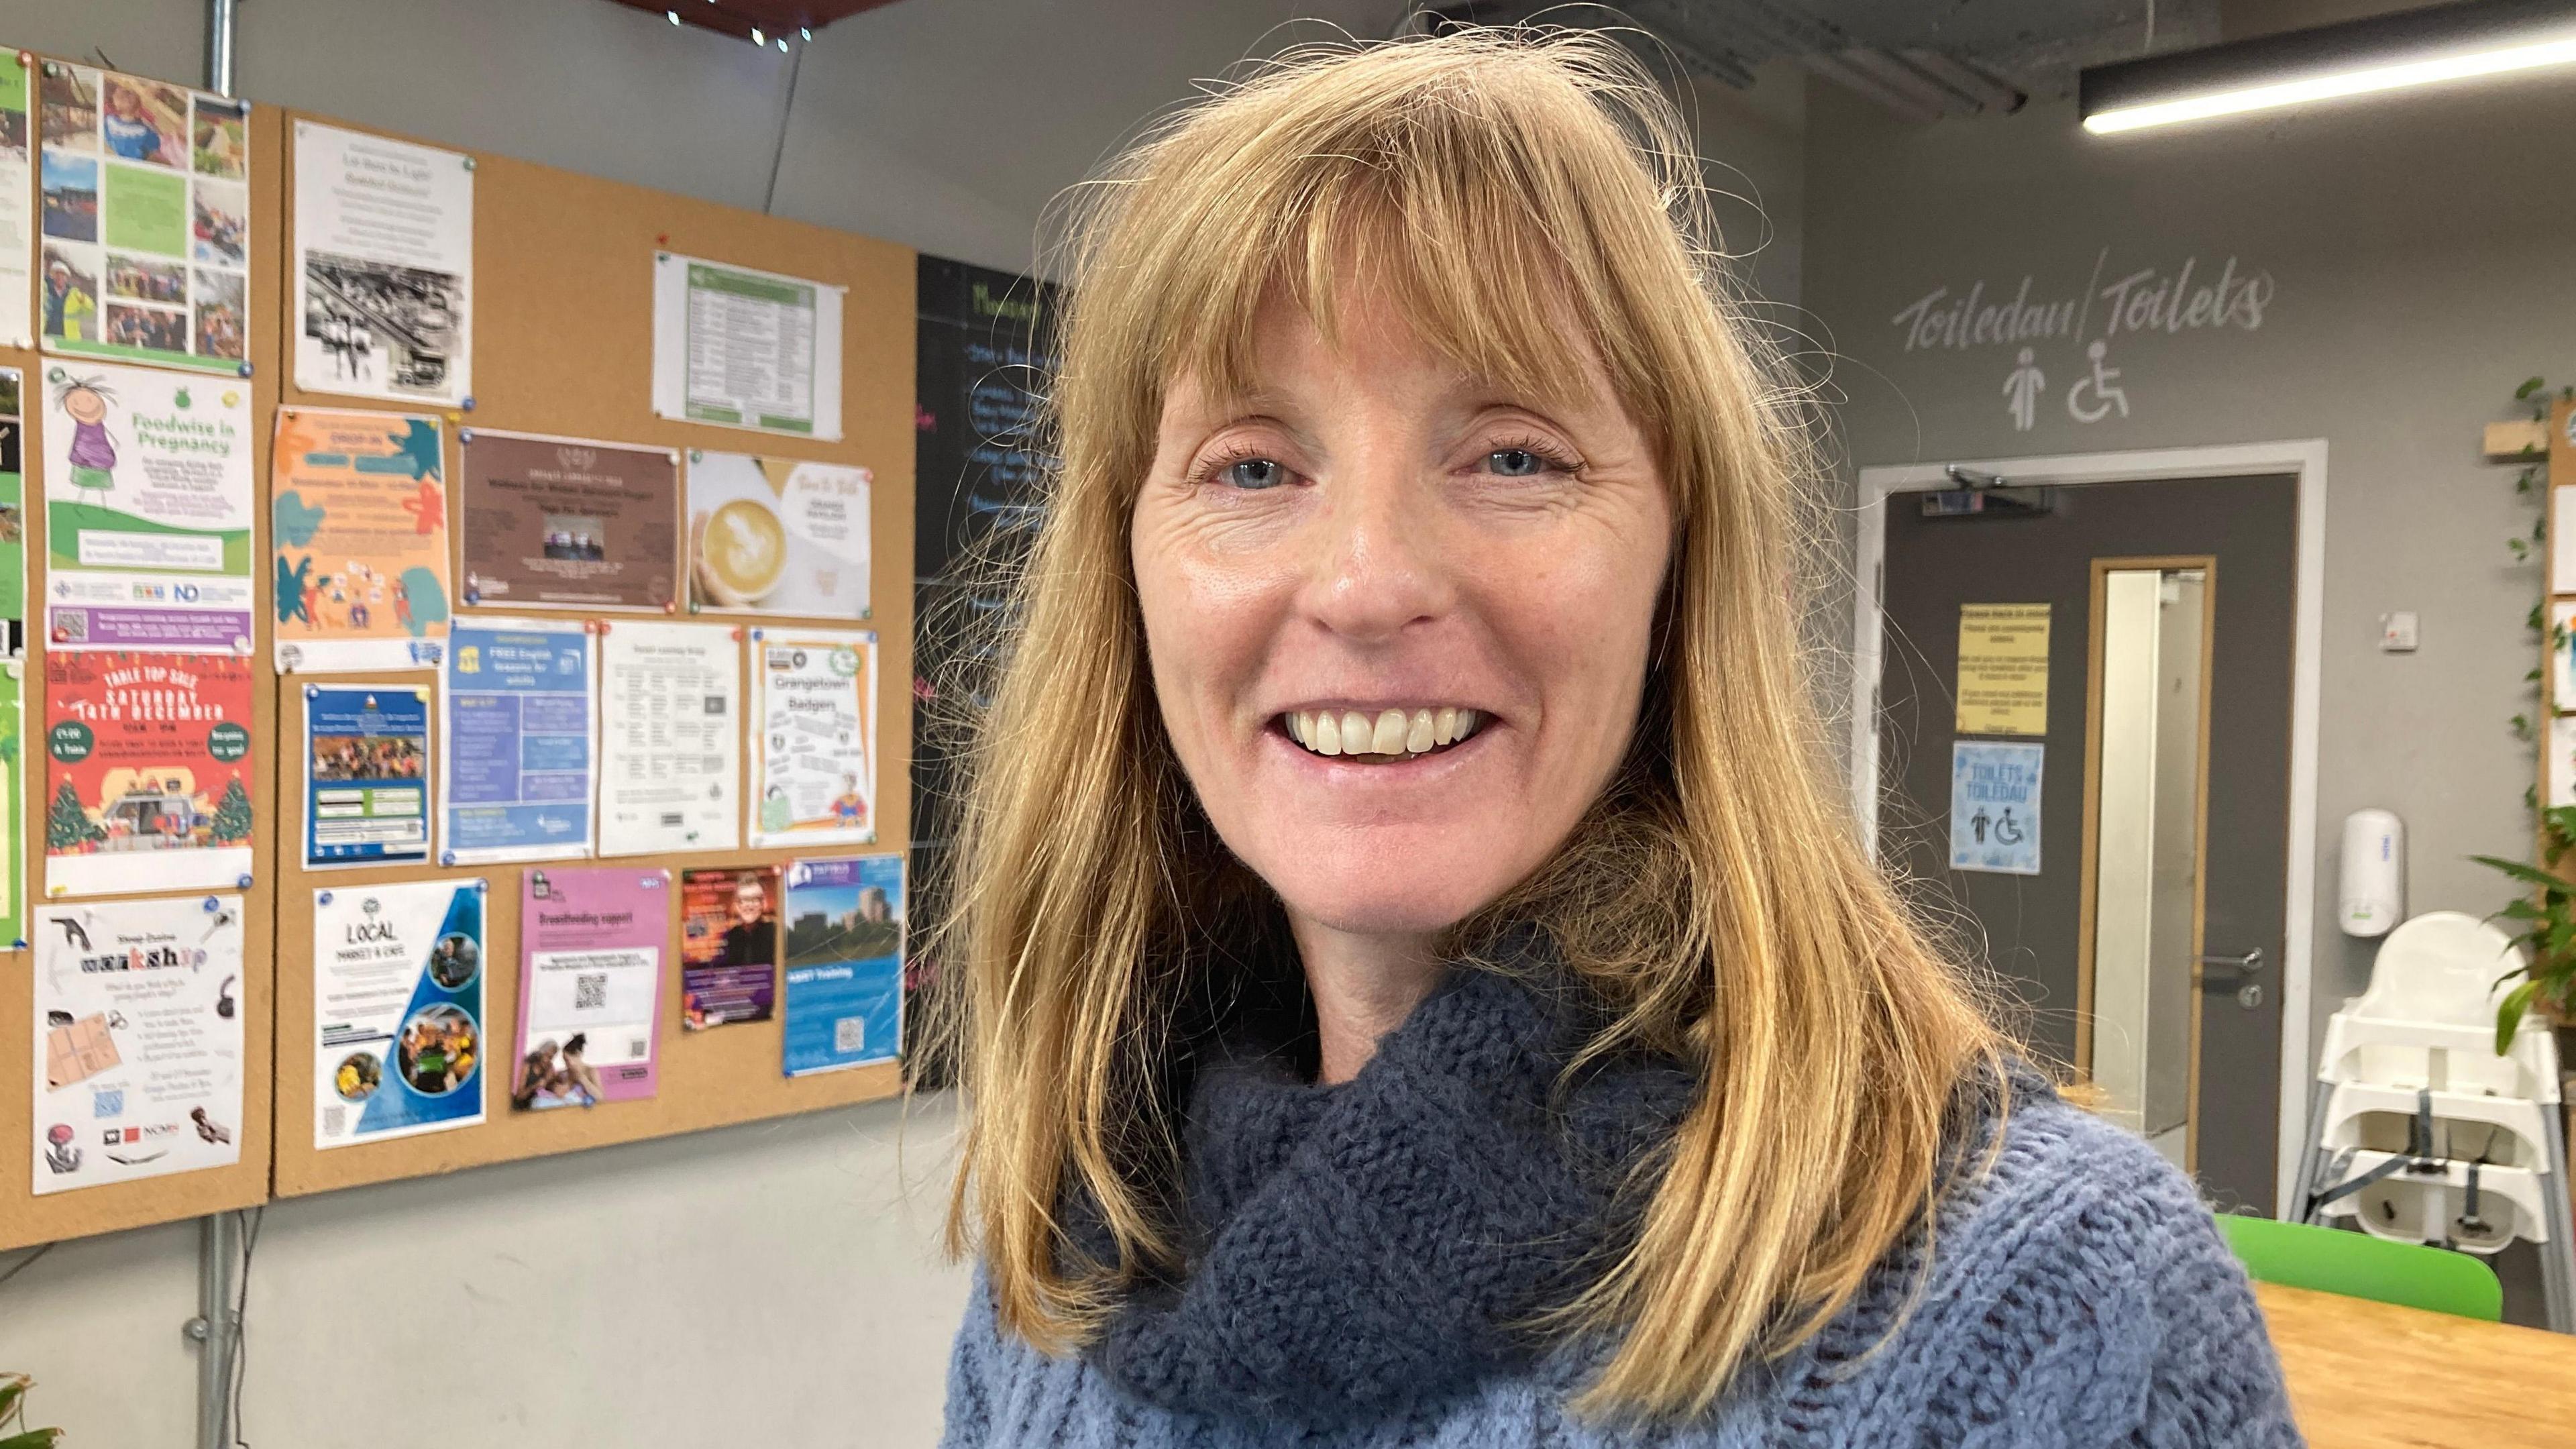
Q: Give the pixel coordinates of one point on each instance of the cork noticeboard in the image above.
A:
(24, 1217)
(562, 345)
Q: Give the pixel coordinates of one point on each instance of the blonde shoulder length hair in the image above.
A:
(1522, 195)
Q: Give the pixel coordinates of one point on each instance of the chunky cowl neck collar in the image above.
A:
(1358, 1248)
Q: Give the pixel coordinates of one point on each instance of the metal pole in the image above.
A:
(219, 46)
(216, 1330)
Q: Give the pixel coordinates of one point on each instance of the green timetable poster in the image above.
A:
(144, 199)
(746, 349)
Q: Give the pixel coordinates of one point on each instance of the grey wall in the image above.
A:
(2416, 267)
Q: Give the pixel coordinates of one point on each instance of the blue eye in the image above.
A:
(1516, 462)
(1253, 473)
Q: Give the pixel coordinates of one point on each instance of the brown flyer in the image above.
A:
(568, 523)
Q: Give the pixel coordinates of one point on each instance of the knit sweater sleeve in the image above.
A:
(971, 1373)
(2114, 1299)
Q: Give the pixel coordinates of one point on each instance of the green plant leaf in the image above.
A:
(2529, 874)
(2529, 386)
(2520, 910)
(2561, 818)
(2533, 677)
(2521, 550)
(12, 1387)
(2521, 726)
(32, 1439)
(2509, 1014)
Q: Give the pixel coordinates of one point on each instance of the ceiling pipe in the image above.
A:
(1896, 75)
(1869, 87)
(219, 46)
(1986, 92)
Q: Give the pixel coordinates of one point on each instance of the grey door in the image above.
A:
(2032, 928)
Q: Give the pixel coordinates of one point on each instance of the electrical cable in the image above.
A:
(26, 1262)
(786, 113)
(249, 1221)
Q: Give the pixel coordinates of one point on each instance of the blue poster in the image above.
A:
(1994, 806)
(515, 756)
(397, 1010)
(844, 1002)
(366, 774)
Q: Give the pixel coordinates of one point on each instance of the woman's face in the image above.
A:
(1372, 538)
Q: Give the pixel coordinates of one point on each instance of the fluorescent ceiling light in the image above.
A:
(2413, 48)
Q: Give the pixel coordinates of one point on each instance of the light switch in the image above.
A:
(2397, 632)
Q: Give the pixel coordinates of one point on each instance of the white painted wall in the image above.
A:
(777, 1284)
(772, 1284)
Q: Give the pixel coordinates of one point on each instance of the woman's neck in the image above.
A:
(1363, 986)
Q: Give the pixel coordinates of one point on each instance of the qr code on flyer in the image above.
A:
(850, 1034)
(590, 991)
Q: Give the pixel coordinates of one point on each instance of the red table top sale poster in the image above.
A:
(148, 780)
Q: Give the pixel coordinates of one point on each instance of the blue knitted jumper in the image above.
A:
(1363, 1261)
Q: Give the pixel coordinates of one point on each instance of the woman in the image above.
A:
(1420, 985)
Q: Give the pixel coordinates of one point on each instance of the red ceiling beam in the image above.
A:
(739, 18)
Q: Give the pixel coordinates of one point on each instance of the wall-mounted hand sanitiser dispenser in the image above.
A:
(2373, 897)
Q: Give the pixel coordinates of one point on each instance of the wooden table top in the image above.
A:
(2366, 1375)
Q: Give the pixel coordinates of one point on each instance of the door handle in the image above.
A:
(2218, 971)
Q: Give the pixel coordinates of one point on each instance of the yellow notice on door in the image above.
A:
(2003, 669)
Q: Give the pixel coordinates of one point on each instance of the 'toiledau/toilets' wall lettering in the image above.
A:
(2062, 342)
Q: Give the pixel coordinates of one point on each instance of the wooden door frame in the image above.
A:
(2096, 626)
(2300, 458)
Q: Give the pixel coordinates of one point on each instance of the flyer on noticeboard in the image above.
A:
(148, 509)
(366, 775)
(515, 748)
(777, 536)
(139, 1015)
(814, 696)
(358, 540)
(17, 229)
(567, 523)
(844, 982)
(728, 945)
(398, 1017)
(13, 809)
(13, 515)
(746, 349)
(145, 219)
(670, 738)
(384, 255)
(590, 975)
(149, 776)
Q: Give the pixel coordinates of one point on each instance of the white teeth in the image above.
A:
(1391, 734)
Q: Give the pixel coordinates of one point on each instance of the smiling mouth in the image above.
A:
(1383, 738)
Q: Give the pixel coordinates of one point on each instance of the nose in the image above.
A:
(1381, 564)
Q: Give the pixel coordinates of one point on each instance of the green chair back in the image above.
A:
(2358, 1265)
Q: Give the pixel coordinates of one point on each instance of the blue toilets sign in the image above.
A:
(1994, 806)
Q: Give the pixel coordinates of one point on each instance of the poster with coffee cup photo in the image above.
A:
(777, 536)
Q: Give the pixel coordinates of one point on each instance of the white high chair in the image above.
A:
(2419, 1131)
